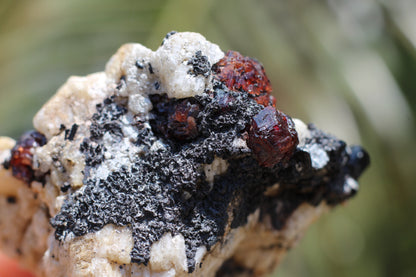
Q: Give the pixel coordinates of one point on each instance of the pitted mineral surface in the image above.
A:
(172, 162)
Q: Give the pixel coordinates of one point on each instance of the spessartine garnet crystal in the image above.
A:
(175, 119)
(241, 73)
(272, 137)
(22, 155)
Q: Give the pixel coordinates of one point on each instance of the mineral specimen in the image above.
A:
(170, 163)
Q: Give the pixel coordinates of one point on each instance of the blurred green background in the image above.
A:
(347, 65)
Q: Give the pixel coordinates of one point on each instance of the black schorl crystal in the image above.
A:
(200, 65)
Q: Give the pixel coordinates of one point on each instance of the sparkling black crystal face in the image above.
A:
(163, 189)
(200, 65)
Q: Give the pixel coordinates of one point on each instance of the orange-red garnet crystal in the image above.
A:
(272, 137)
(182, 123)
(21, 158)
(240, 73)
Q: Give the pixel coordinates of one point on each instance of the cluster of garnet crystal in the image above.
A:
(241, 73)
(22, 155)
(272, 136)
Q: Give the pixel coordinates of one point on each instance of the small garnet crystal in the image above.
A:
(272, 137)
(175, 118)
(241, 73)
(22, 155)
(182, 123)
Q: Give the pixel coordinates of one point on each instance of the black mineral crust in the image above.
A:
(200, 65)
(165, 189)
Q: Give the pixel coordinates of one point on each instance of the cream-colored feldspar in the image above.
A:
(96, 254)
(169, 253)
(171, 63)
(217, 167)
(74, 103)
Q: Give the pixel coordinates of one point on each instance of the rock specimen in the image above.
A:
(170, 163)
